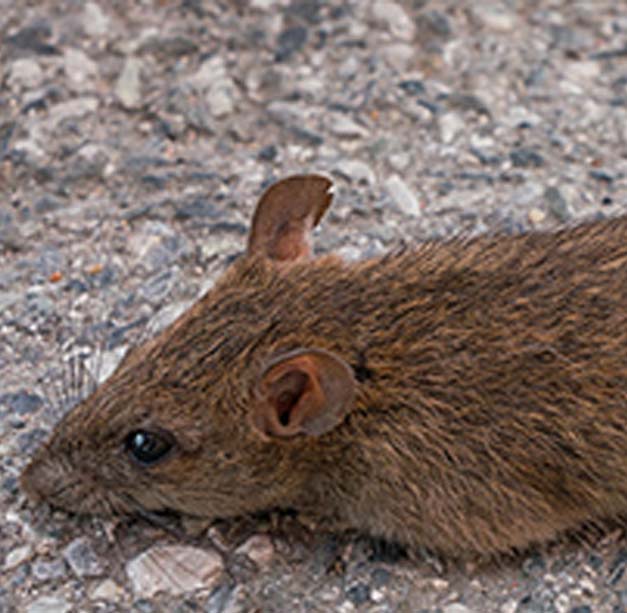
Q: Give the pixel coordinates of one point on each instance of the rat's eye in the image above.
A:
(147, 447)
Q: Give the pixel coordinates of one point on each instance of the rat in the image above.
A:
(468, 395)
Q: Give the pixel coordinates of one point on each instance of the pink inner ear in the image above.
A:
(286, 391)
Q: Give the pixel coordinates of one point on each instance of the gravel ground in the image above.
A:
(135, 138)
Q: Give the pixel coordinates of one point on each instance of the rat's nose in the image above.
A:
(35, 482)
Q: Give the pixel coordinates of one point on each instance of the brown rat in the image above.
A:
(467, 395)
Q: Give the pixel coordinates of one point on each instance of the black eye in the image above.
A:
(147, 447)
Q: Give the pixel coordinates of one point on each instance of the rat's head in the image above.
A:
(216, 415)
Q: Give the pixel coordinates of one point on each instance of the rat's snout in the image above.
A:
(35, 481)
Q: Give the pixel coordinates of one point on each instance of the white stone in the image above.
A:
(344, 126)
(399, 161)
(24, 73)
(72, 109)
(78, 67)
(536, 216)
(258, 548)
(402, 196)
(393, 15)
(49, 604)
(128, 86)
(174, 569)
(451, 125)
(106, 590)
(398, 55)
(16, 556)
(356, 170)
(456, 607)
(95, 22)
(494, 17)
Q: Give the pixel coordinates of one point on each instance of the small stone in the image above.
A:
(79, 68)
(557, 203)
(523, 157)
(47, 570)
(72, 109)
(345, 127)
(106, 590)
(24, 73)
(174, 569)
(95, 22)
(82, 558)
(359, 594)
(393, 15)
(16, 556)
(258, 548)
(22, 402)
(289, 42)
(356, 170)
(212, 78)
(493, 17)
(433, 24)
(221, 599)
(398, 55)
(402, 196)
(536, 216)
(456, 607)
(267, 153)
(128, 85)
(451, 124)
(198, 207)
(34, 37)
(49, 604)
(168, 46)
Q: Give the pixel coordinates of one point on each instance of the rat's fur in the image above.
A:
(490, 405)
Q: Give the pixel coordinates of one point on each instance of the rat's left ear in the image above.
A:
(307, 391)
(285, 216)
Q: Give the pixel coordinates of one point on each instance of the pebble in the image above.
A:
(536, 216)
(49, 604)
(47, 570)
(128, 85)
(493, 16)
(82, 559)
(523, 157)
(95, 22)
(402, 196)
(345, 127)
(16, 556)
(79, 68)
(451, 125)
(72, 109)
(212, 78)
(24, 73)
(174, 569)
(258, 548)
(395, 18)
(289, 42)
(557, 204)
(456, 607)
(106, 590)
(398, 55)
(22, 402)
(356, 170)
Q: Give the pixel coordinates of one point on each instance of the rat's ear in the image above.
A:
(285, 216)
(308, 391)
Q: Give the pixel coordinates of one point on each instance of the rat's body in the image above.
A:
(466, 395)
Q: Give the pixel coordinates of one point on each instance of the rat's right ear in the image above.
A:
(285, 216)
(307, 391)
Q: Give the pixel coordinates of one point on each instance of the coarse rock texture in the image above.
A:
(135, 138)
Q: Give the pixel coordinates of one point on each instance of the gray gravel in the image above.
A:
(134, 140)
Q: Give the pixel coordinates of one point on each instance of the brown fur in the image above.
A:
(490, 396)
